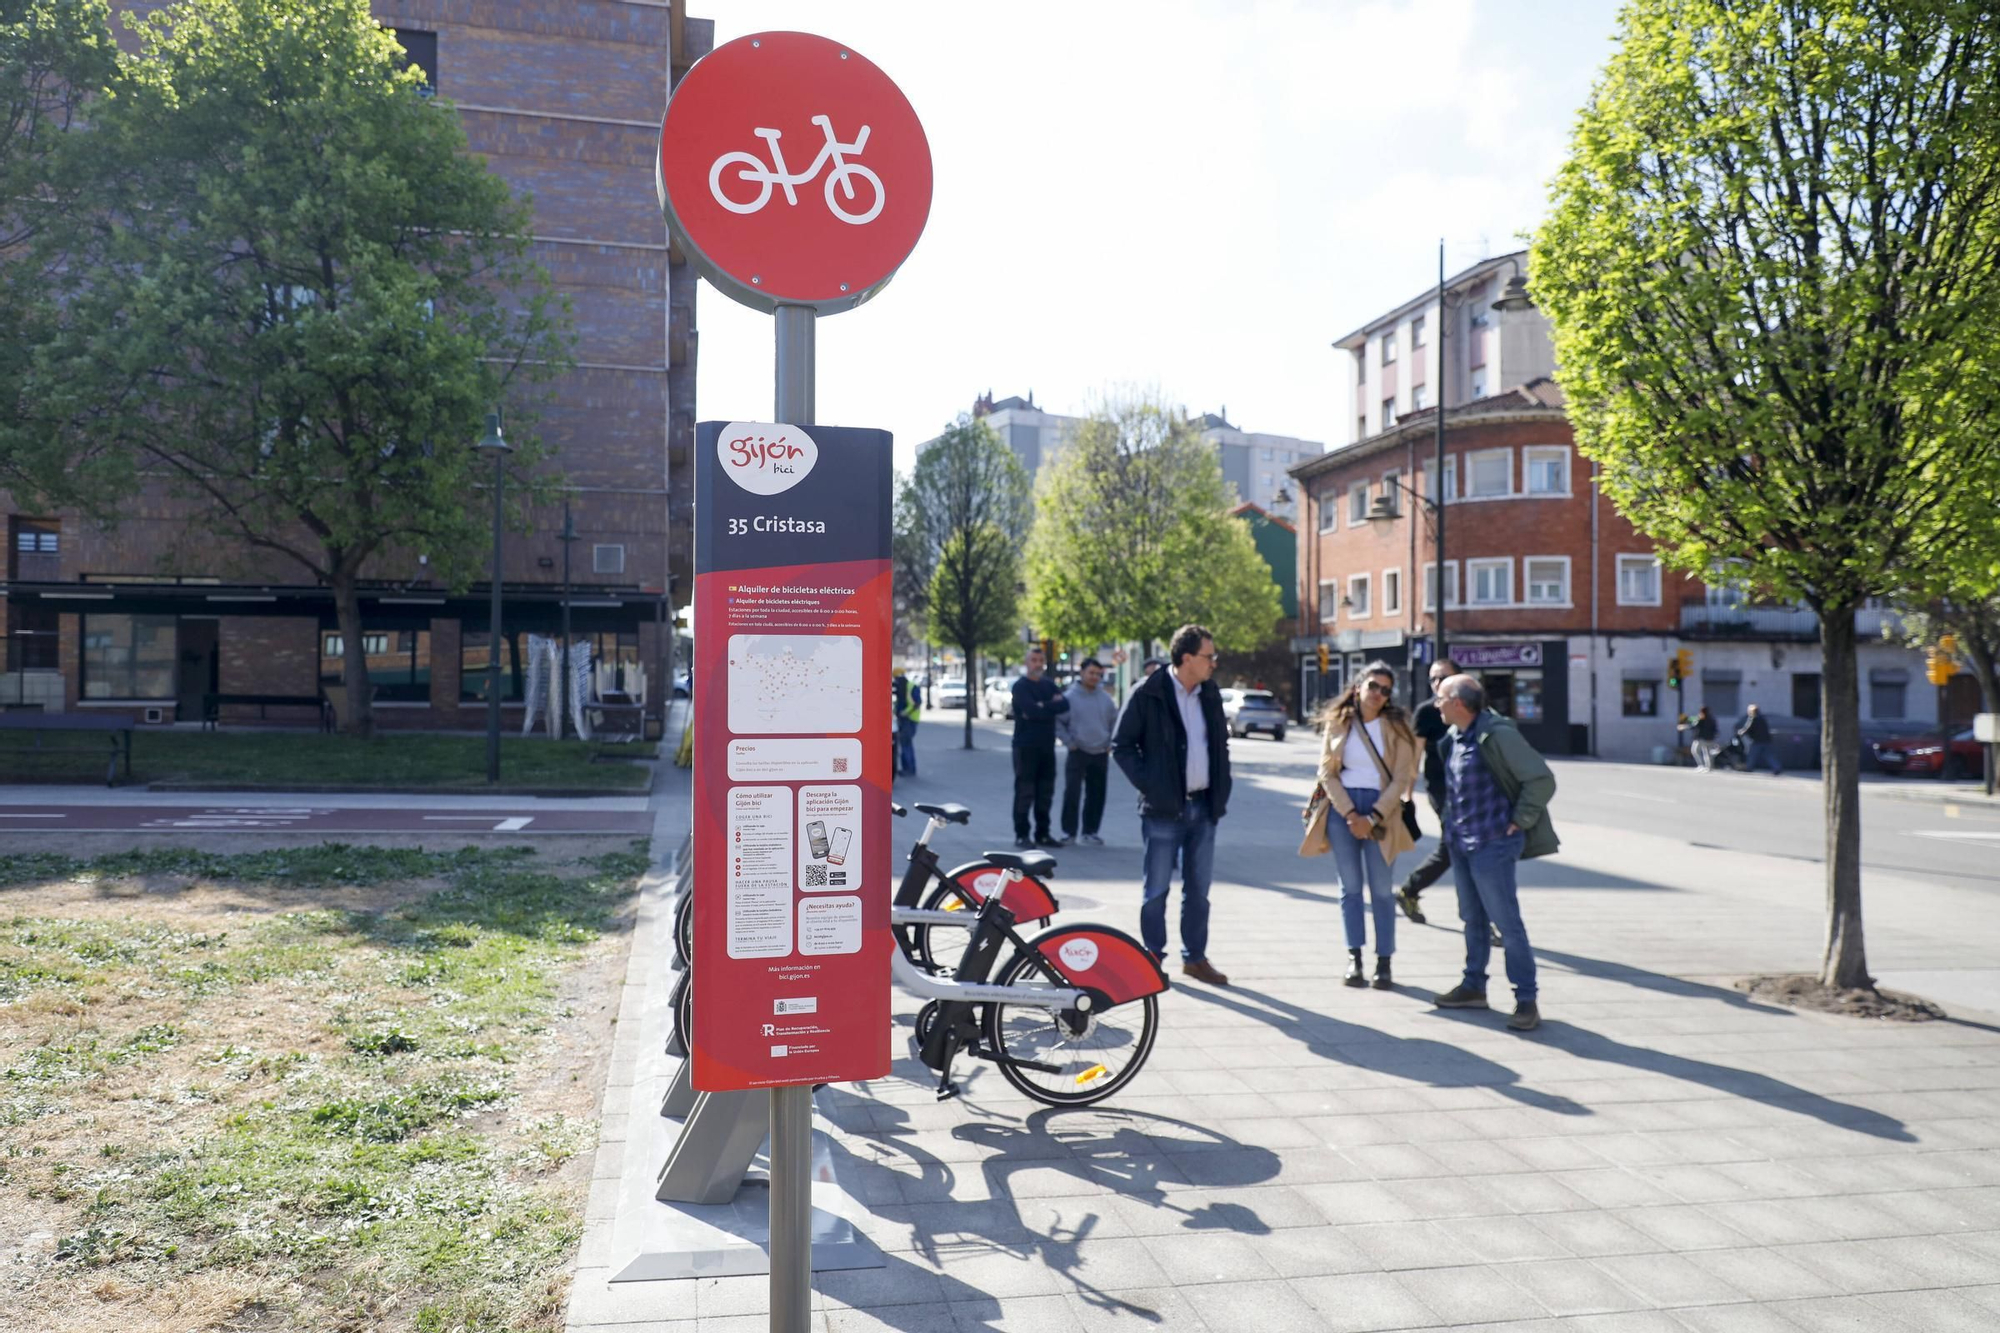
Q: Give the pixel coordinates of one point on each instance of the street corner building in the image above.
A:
(564, 102)
(1547, 594)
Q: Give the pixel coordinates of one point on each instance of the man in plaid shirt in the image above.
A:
(1497, 791)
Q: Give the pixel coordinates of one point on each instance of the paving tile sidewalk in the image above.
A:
(1664, 1154)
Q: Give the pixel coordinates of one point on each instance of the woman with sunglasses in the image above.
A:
(1367, 769)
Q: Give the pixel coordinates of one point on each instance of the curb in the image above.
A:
(355, 789)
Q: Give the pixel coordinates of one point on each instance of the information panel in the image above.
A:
(792, 760)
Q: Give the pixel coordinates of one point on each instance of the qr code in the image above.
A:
(815, 876)
(840, 763)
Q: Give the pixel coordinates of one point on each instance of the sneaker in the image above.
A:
(1408, 902)
(1461, 997)
(1091, 840)
(1526, 1017)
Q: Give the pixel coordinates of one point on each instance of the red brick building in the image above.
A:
(564, 100)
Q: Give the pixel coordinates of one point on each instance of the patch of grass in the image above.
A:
(317, 1119)
(393, 761)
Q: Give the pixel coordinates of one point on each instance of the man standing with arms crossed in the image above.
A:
(1497, 792)
(1173, 745)
(1037, 704)
(1085, 731)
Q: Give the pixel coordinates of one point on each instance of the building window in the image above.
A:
(1722, 692)
(1450, 481)
(1642, 698)
(1450, 585)
(1888, 693)
(1418, 326)
(1269, 455)
(399, 662)
(1491, 581)
(1420, 397)
(607, 559)
(129, 657)
(1357, 503)
(34, 549)
(614, 662)
(475, 660)
(1392, 592)
(1329, 599)
(421, 49)
(1329, 511)
(34, 636)
(1638, 580)
(1479, 382)
(1389, 347)
(1361, 365)
(1388, 412)
(1805, 694)
(1489, 474)
(1357, 597)
(1547, 577)
(1361, 426)
(1391, 492)
(1547, 469)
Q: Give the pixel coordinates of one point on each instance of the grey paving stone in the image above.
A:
(716, 1297)
(1361, 1302)
(1763, 1274)
(1503, 1239)
(1856, 1267)
(895, 1319)
(1147, 1310)
(1000, 1274)
(1683, 1227)
(1735, 1319)
(1626, 1321)
(1400, 1245)
(1572, 1287)
(1591, 1233)
(1667, 1280)
(1359, 1201)
(1273, 1305)
(1615, 1187)
(593, 1299)
(1843, 1314)
(899, 1282)
(1025, 1314)
(1477, 1293)
(1936, 1311)
(1312, 1252)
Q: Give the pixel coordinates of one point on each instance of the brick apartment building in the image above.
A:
(1557, 602)
(564, 100)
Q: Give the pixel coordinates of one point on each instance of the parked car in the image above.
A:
(1932, 754)
(1254, 710)
(951, 693)
(999, 696)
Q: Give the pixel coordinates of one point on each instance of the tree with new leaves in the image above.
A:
(298, 298)
(1133, 537)
(965, 510)
(1769, 262)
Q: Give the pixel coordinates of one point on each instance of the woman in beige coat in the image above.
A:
(1367, 768)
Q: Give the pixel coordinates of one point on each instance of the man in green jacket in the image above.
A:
(1497, 791)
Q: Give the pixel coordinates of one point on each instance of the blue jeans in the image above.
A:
(1487, 892)
(1763, 754)
(1191, 838)
(906, 744)
(1361, 859)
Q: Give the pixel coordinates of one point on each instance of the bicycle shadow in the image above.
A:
(1418, 1059)
(1588, 1045)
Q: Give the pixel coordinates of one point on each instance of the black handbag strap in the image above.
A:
(1369, 741)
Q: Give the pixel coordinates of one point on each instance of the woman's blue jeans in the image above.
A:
(1360, 860)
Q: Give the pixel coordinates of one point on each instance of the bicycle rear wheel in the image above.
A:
(1094, 1054)
(684, 928)
(940, 947)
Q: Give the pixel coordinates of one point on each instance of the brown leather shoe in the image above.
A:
(1204, 971)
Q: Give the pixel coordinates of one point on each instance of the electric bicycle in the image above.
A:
(959, 892)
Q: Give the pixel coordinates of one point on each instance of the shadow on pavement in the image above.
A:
(1588, 1045)
(1418, 1059)
(1655, 981)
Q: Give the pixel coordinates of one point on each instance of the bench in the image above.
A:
(212, 704)
(117, 729)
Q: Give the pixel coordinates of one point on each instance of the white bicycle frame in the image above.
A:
(925, 986)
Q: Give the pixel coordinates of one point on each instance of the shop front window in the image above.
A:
(128, 657)
(614, 659)
(399, 662)
(1642, 698)
(475, 660)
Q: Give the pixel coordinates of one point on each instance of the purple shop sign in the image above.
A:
(1471, 655)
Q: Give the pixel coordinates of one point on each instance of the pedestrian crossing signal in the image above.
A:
(1679, 669)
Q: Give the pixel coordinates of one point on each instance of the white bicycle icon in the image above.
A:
(752, 171)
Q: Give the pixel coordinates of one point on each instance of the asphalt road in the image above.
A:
(314, 818)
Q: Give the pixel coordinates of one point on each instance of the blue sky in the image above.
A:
(1181, 197)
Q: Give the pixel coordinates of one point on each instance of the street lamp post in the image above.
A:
(568, 539)
(495, 443)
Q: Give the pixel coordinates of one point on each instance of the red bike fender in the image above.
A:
(1102, 959)
(1027, 898)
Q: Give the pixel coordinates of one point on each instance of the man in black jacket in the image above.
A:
(1037, 703)
(1431, 728)
(1173, 745)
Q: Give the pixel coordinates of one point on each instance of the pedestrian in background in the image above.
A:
(1755, 732)
(909, 711)
(1037, 704)
(1430, 727)
(1367, 769)
(1703, 745)
(1497, 791)
(1086, 731)
(1173, 745)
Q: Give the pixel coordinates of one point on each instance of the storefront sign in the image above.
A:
(1486, 656)
(791, 764)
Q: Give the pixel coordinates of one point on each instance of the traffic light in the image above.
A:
(1680, 668)
(1937, 666)
(1322, 659)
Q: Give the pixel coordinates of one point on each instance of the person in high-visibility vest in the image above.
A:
(909, 711)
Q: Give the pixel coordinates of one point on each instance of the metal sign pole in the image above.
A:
(791, 1108)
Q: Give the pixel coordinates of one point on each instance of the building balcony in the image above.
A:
(1747, 620)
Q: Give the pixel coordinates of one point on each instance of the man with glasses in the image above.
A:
(1430, 726)
(1173, 745)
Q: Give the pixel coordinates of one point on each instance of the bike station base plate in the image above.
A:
(682, 1240)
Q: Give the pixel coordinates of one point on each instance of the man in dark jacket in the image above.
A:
(1755, 731)
(1431, 728)
(1173, 745)
(1037, 704)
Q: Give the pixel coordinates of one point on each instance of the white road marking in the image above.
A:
(1642, 796)
(36, 816)
(1953, 835)
(511, 824)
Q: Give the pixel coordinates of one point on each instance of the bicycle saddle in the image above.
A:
(1036, 864)
(950, 812)
(897, 810)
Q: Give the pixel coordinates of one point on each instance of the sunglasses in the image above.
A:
(1377, 687)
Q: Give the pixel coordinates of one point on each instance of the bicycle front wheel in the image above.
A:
(1094, 1054)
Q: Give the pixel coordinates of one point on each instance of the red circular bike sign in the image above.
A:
(793, 172)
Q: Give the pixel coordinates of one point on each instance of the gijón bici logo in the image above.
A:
(765, 459)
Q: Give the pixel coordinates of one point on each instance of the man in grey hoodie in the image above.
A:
(1085, 730)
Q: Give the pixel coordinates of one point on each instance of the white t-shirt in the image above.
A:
(1357, 765)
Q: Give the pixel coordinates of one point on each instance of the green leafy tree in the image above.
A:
(964, 511)
(301, 298)
(1133, 537)
(1769, 263)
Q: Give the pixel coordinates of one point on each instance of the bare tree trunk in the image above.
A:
(1846, 962)
(359, 717)
(971, 675)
